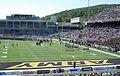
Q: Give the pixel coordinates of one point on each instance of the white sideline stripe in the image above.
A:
(97, 50)
(102, 52)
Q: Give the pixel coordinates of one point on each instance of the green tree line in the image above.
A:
(84, 13)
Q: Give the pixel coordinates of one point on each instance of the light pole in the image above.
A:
(88, 10)
(62, 25)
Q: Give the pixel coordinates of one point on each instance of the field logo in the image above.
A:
(58, 64)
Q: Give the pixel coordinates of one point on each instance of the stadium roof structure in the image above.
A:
(23, 17)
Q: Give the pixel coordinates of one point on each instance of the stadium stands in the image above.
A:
(104, 35)
(97, 35)
(108, 14)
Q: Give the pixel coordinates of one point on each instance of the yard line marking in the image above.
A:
(4, 52)
(3, 56)
(5, 49)
(32, 52)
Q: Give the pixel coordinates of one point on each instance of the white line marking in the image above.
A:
(42, 45)
(3, 56)
(4, 52)
(97, 50)
(102, 51)
(5, 49)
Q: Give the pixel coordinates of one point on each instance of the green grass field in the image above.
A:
(28, 51)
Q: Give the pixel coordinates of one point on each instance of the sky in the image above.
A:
(45, 7)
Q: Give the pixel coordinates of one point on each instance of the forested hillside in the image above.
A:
(80, 12)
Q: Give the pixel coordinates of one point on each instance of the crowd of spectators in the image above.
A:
(93, 74)
(98, 74)
(100, 35)
(112, 13)
(105, 36)
(24, 33)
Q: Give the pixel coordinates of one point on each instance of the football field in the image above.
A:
(19, 51)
